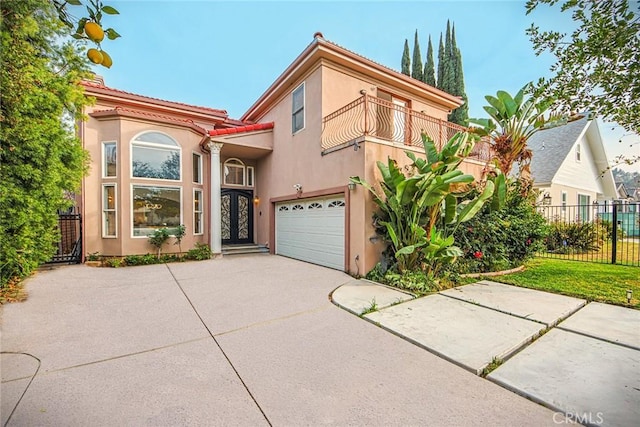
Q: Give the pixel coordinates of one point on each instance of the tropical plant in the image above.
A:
(411, 208)
(158, 238)
(513, 121)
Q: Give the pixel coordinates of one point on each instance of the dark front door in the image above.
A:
(237, 216)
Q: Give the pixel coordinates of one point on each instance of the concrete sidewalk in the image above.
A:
(586, 367)
(247, 340)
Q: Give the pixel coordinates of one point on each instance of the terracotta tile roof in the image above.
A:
(242, 129)
(122, 111)
(96, 85)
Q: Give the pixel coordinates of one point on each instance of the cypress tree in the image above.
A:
(406, 60)
(448, 72)
(416, 71)
(440, 64)
(429, 75)
(461, 114)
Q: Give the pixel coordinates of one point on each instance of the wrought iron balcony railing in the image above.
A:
(384, 120)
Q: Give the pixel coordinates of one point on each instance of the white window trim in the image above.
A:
(244, 173)
(152, 145)
(253, 176)
(201, 211)
(578, 153)
(115, 209)
(151, 185)
(563, 200)
(104, 159)
(304, 108)
(200, 177)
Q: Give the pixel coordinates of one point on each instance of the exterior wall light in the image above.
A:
(629, 295)
(546, 200)
(256, 200)
(351, 185)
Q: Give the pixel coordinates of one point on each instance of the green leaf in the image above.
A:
(112, 34)
(451, 203)
(407, 250)
(74, 2)
(473, 207)
(110, 10)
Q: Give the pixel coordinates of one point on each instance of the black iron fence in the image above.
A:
(600, 232)
(69, 248)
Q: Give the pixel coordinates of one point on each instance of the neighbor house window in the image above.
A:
(250, 173)
(578, 152)
(197, 211)
(155, 207)
(109, 159)
(109, 225)
(155, 155)
(233, 172)
(298, 109)
(197, 168)
(564, 201)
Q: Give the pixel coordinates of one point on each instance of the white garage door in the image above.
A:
(312, 230)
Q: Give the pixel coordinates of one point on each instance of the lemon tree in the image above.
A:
(90, 27)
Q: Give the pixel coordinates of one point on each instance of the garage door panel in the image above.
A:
(312, 230)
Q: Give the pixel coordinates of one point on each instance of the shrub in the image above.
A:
(501, 239)
(141, 259)
(199, 253)
(113, 262)
(575, 237)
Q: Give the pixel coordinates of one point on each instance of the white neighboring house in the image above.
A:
(569, 164)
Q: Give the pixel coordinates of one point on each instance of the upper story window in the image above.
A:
(577, 152)
(234, 172)
(297, 120)
(109, 160)
(155, 155)
(197, 168)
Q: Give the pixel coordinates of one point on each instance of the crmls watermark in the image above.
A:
(586, 418)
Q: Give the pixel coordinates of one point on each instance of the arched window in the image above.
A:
(155, 155)
(234, 172)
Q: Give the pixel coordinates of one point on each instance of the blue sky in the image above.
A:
(225, 54)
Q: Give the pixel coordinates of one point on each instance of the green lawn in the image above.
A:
(592, 281)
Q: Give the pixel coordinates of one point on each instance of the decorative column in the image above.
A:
(215, 222)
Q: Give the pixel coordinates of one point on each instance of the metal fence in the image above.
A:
(69, 249)
(598, 232)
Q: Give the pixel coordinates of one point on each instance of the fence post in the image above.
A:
(614, 235)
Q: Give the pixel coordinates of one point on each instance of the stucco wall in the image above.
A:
(122, 131)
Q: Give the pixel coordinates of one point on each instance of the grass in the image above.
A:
(592, 281)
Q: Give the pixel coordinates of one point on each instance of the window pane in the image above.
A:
(250, 176)
(158, 163)
(110, 223)
(298, 121)
(235, 175)
(298, 99)
(156, 138)
(155, 207)
(109, 159)
(197, 212)
(109, 197)
(196, 168)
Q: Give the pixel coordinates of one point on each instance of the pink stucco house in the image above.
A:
(276, 178)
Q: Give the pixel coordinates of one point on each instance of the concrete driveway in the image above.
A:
(245, 340)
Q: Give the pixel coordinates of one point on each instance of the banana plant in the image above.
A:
(411, 207)
(512, 122)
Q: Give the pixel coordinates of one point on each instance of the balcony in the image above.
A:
(373, 118)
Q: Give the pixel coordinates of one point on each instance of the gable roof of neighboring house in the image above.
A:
(551, 147)
(321, 49)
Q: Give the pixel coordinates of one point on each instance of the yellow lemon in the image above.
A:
(106, 59)
(95, 56)
(94, 32)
